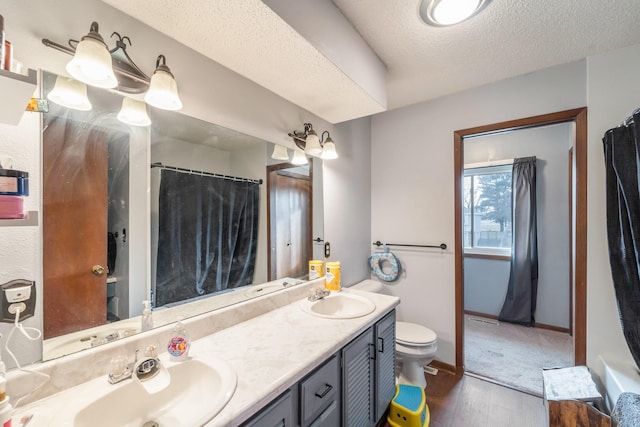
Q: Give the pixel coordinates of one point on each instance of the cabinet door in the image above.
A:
(357, 381)
(279, 413)
(385, 372)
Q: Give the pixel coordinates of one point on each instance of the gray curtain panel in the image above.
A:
(207, 235)
(522, 293)
(621, 151)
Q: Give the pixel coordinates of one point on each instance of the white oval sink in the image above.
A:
(339, 306)
(196, 393)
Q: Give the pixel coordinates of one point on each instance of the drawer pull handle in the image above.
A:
(323, 393)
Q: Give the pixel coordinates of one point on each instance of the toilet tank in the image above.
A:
(368, 285)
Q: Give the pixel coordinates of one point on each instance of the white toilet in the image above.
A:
(416, 345)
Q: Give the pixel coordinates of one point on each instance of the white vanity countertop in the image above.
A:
(269, 353)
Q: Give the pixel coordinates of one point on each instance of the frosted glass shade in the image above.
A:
(163, 91)
(312, 147)
(329, 150)
(134, 112)
(299, 158)
(70, 93)
(92, 64)
(280, 153)
(449, 12)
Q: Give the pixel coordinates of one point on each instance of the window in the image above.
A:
(487, 210)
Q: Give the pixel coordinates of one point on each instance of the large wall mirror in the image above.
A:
(185, 214)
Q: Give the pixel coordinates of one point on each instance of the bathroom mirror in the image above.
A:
(111, 218)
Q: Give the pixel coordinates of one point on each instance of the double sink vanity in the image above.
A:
(279, 359)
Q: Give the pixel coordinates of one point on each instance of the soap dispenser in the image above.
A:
(179, 343)
(147, 317)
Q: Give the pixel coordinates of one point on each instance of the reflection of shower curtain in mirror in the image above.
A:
(207, 235)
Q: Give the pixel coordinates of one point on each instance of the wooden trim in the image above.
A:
(458, 165)
(479, 314)
(443, 367)
(487, 256)
(571, 193)
(579, 117)
(537, 325)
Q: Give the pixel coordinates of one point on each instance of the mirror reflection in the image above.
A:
(177, 214)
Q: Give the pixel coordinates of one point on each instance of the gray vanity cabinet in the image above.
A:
(368, 374)
(320, 396)
(352, 388)
(279, 413)
(385, 361)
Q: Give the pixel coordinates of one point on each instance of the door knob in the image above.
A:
(98, 270)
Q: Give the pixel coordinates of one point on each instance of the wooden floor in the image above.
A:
(466, 401)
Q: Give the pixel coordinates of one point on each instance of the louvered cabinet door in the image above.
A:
(385, 370)
(357, 381)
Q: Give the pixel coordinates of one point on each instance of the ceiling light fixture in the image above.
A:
(308, 141)
(449, 12)
(95, 64)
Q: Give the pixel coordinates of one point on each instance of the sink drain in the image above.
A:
(151, 424)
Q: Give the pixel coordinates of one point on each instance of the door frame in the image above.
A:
(577, 116)
(273, 168)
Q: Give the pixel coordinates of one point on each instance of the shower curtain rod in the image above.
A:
(197, 172)
(442, 246)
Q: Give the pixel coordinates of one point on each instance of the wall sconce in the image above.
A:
(308, 141)
(280, 153)
(95, 64)
(70, 94)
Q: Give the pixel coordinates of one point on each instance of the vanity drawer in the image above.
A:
(318, 391)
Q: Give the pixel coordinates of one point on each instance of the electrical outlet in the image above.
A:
(19, 294)
(327, 249)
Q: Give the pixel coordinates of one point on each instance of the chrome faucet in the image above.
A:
(121, 369)
(149, 366)
(319, 293)
(144, 369)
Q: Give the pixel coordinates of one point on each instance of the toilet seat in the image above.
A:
(411, 334)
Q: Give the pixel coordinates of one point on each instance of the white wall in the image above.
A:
(347, 201)
(613, 96)
(413, 181)
(550, 145)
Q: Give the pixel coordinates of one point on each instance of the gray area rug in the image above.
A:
(514, 355)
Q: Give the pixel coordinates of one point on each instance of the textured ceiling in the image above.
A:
(509, 38)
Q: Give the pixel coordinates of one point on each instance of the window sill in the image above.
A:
(485, 255)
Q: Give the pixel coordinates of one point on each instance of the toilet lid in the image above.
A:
(412, 334)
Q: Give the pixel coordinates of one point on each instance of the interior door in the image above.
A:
(74, 217)
(289, 224)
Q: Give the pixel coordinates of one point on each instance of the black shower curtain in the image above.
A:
(621, 151)
(207, 235)
(522, 293)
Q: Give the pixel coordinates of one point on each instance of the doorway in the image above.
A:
(578, 222)
(289, 220)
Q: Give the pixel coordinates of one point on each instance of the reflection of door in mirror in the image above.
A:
(78, 175)
(290, 210)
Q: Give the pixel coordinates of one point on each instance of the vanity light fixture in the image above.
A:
(442, 13)
(95, 64)
(134, 112)
(308, 141)
(280, 152)
(70, 93)
(299, 157)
